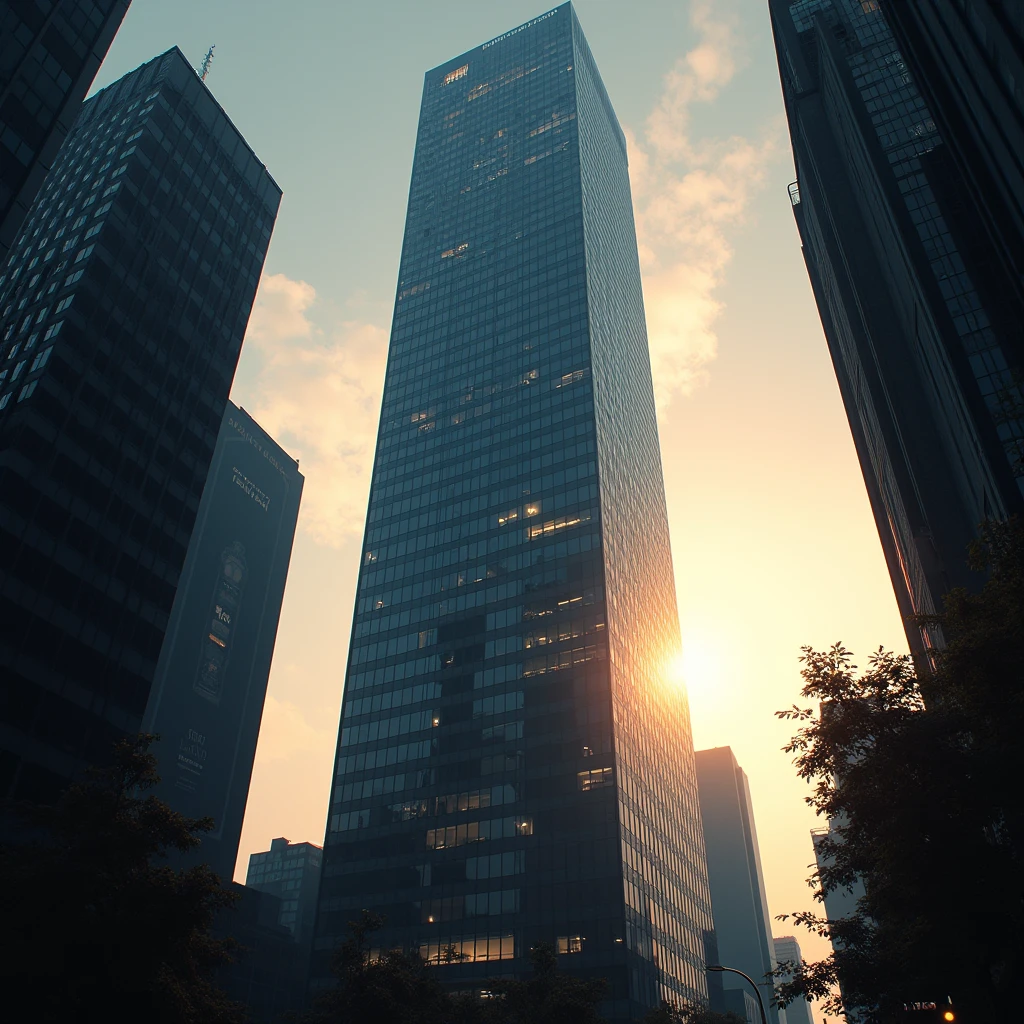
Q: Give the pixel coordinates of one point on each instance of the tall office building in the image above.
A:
(739, 904)
(512, 767)
(122, 311)
(787, 950)
(50, 51)
(967, 59)
(290, 871)
(211, 679)
(926, 348)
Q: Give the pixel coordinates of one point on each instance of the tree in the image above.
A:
(916, 768)
(94, 929)
(670, 1013)
(396, 987)
(549, 996)
(383, 986)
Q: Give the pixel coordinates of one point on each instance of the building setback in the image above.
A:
(787, 950)
(739, 904)
(122, 311)
(211, 679)
(512, 767)
(50, 51)
(925, 344)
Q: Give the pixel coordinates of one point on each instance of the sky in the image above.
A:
(772, 535)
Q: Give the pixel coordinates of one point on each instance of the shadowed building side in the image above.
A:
(122, 313)
(926, 355)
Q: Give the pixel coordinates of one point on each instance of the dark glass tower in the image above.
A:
(512, 766)
(925, 348)
(122, 311)
(207, 699)
(968, 61)
(50, 51)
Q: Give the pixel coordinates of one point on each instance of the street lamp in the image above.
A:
(718, 969)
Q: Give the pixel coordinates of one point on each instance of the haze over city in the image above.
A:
(772, 536)
(512, 516)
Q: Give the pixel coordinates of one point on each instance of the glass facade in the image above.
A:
(122, 311)
(928, 365)
(512, 767)
(290, 871)
(50, 51)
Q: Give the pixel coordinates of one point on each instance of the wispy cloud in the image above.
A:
(285, 732)
(316, 389)
(690, 192)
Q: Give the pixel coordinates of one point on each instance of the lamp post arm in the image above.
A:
(718, 968)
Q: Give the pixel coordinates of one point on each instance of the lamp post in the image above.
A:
(718, 969)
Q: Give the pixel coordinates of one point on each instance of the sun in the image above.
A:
(696, 666)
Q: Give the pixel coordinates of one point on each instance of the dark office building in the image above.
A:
(967, 60)
(290, 871)
(925, 346)
(512, 767)
(268, 972)
(739, 903)
(122, 311)
(211, 679)
(50, 51)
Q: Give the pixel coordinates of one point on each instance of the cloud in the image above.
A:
(317, 390)
(285, 732)
(689, 194)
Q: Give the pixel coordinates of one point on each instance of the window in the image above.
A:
(4, 400)
(63, 304)
(94, 230)
(16, 373)
(53, 330)
(595, 778)
(84, 253)
(569, 944)
(454, 76)
(27, 390)
(41, 360)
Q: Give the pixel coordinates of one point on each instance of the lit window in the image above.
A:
(596, 778)
(569, 944)
(454, 76)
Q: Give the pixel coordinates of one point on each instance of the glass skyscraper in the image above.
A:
(122, 310)
(512, 766)
(924, 336)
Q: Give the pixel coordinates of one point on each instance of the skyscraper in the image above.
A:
(926, 349)
(739, 904)
(122, 311)
(968, 62)
(787, 950)
(50, 51)
(512, 766)
(211, 679)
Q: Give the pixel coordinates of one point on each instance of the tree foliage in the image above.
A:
(916, 768)
(396, 987)
(94, 929)
(670, 1013)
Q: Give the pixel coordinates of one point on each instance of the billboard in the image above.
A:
(211, 680)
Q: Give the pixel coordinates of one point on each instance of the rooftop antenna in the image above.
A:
(204, 69)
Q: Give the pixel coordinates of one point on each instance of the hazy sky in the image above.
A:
(772, 535)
